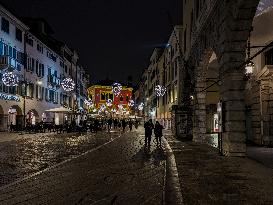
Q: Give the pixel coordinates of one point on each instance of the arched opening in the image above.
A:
(206, 99)
(212, 99)
(15, 117)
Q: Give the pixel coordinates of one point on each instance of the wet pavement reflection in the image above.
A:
(20, 158)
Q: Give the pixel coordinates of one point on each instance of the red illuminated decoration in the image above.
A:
(101, 94)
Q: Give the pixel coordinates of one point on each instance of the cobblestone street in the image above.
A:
(119, 172)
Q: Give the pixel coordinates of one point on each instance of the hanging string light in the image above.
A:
(131, 103)
(9, 79)
(109, 102)
(68, 84)
(116, 89)
(160, 90)
(88, 102)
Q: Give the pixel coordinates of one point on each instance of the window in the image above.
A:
(269, 57)
(20, 57)
(39, 92)
(121, 98)
(5, 25)
(30, 90)
(18, 34)
(29, 41)
(40, 48)
(102, 96)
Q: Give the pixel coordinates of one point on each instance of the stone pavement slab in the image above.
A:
(120, 172)
(207, 178)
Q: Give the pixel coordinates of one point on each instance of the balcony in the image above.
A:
(53, 80)
(6, 62)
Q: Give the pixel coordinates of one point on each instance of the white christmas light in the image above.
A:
(113, 110)
(88, 102)
(109, 102)
(131, 103)
(116, 89)
(120, 107)
(160, 90)
(9, 79)
(102, 108)
(141, 106)
(68, 84)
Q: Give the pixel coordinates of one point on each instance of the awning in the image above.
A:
(59, 110)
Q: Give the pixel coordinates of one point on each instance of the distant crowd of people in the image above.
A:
(94, 125)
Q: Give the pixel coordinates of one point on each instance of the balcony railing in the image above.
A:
(6, 61)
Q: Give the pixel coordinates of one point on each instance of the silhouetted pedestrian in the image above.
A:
(130, 125)
(109, 124)
(158, 133)
(123, 124)
(149, 126)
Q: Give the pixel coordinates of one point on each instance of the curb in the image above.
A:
(172, 191)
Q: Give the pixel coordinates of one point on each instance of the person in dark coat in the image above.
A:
(115, 124)
(148, 126)
(123, 124)
(130, 125)
(109, 124)
(158, 133)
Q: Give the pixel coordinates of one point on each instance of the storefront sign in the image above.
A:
(9, 97)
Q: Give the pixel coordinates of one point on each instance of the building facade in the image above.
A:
(164, 70)
(40, 63)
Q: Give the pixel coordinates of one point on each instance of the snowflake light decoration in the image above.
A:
(68, 84)
(102, 108)
(109, 102)
(131, 103)
(113, 110)
(88, 102)
(120, 107)
(9, 79)
(160, 90)
(141, 106)
(116, 89)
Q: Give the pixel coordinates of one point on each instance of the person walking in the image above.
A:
(115, 124)
(123, 124)
(158, 133)
(130, 125)
(148, 126)
(109, 124)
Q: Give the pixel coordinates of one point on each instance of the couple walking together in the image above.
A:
(149, 126)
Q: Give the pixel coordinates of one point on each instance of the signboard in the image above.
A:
(9, 97)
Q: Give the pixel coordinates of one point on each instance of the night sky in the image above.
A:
(114, 38)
